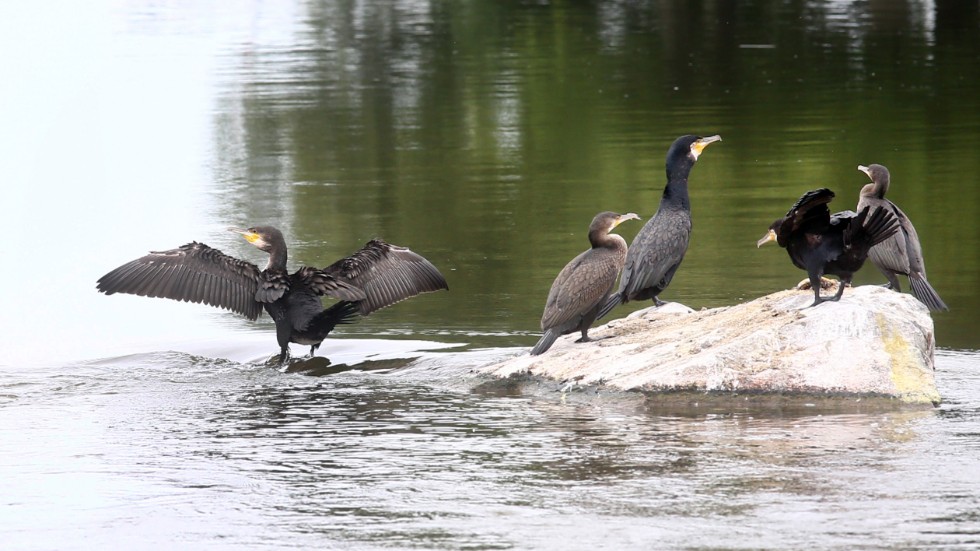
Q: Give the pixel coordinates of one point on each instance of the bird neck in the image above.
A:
(880, 188)
(603, 239)
(675, 193)
(277, 259)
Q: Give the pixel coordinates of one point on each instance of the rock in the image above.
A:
(873, 343)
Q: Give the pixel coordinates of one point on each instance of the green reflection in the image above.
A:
(485, 135)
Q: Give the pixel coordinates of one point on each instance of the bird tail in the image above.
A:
(548, 339)
(880, 225)
(926, 294)
(613, 301)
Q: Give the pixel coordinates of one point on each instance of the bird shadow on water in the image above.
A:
(320, 366)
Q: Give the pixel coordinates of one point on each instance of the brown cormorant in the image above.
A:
(584, 284)
(377, 275)
(902, 252)
(823, 244)
(659, 247)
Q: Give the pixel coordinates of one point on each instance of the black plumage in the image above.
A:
(584, 284)
(378, 275)
(902, 252)
(823, 244)
(658, 249)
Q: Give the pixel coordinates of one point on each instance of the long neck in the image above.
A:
(880, 187)
(277, 256)
(675, 194)
(604, 239)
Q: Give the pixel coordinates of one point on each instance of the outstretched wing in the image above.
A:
(191, 273)
(810, 208)
(387, 274)
(323, 283)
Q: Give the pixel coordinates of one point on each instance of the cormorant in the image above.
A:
(659, 247)
(377, 275)
(584, 284)
(823, 244)
(902, 252)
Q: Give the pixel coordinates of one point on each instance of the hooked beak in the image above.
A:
(624, 217)
(698, 146)
(769, 236)
(865, 170)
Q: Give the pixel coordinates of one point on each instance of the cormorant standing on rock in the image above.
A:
(376, 276)
(902, 252)
(659, 247)
(584, 284)
(823, 244)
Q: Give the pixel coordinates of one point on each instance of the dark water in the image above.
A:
(485, 135)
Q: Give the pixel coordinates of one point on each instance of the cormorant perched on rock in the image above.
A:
(902, 252)
(659, 247)
(376, 276)
(823, 244)
(584, 284)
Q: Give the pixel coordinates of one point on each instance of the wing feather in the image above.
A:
(580, 286)
(387, 274)
(192, 273)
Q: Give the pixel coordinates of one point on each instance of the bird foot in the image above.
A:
(585, 339)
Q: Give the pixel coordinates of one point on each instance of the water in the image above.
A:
(485, 136)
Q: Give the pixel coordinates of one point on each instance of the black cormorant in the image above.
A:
(659, 247)
(378, 275)
(584, 284)
(902, 252)
(823, 244)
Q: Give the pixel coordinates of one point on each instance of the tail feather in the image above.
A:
(548, 339)
(926, 294)
(880, 225)
(613, 301)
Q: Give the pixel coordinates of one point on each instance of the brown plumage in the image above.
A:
(377, 275)
(584, 284)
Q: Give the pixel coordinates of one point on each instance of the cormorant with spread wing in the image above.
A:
(378, 275)
(902, 252)
(659, 247)
(823, 244)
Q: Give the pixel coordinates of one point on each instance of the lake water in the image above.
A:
(485, 136)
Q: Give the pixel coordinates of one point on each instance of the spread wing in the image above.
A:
(387, 274)
(192, 273)
(323, 283)
(580, 286)
(810, 208)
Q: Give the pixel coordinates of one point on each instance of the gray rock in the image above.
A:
(874, 342)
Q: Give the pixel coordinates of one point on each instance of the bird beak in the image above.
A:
(698, 146)
(769, 236)
(624, 217)
(865, 170)
(249, 236)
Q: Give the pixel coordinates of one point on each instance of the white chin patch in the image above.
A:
(694, 152)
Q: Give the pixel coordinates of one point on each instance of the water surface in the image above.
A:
(485, 136)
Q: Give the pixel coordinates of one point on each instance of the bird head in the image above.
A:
(770, 234)
(263, 237)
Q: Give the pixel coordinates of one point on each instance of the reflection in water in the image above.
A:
(505, 123)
